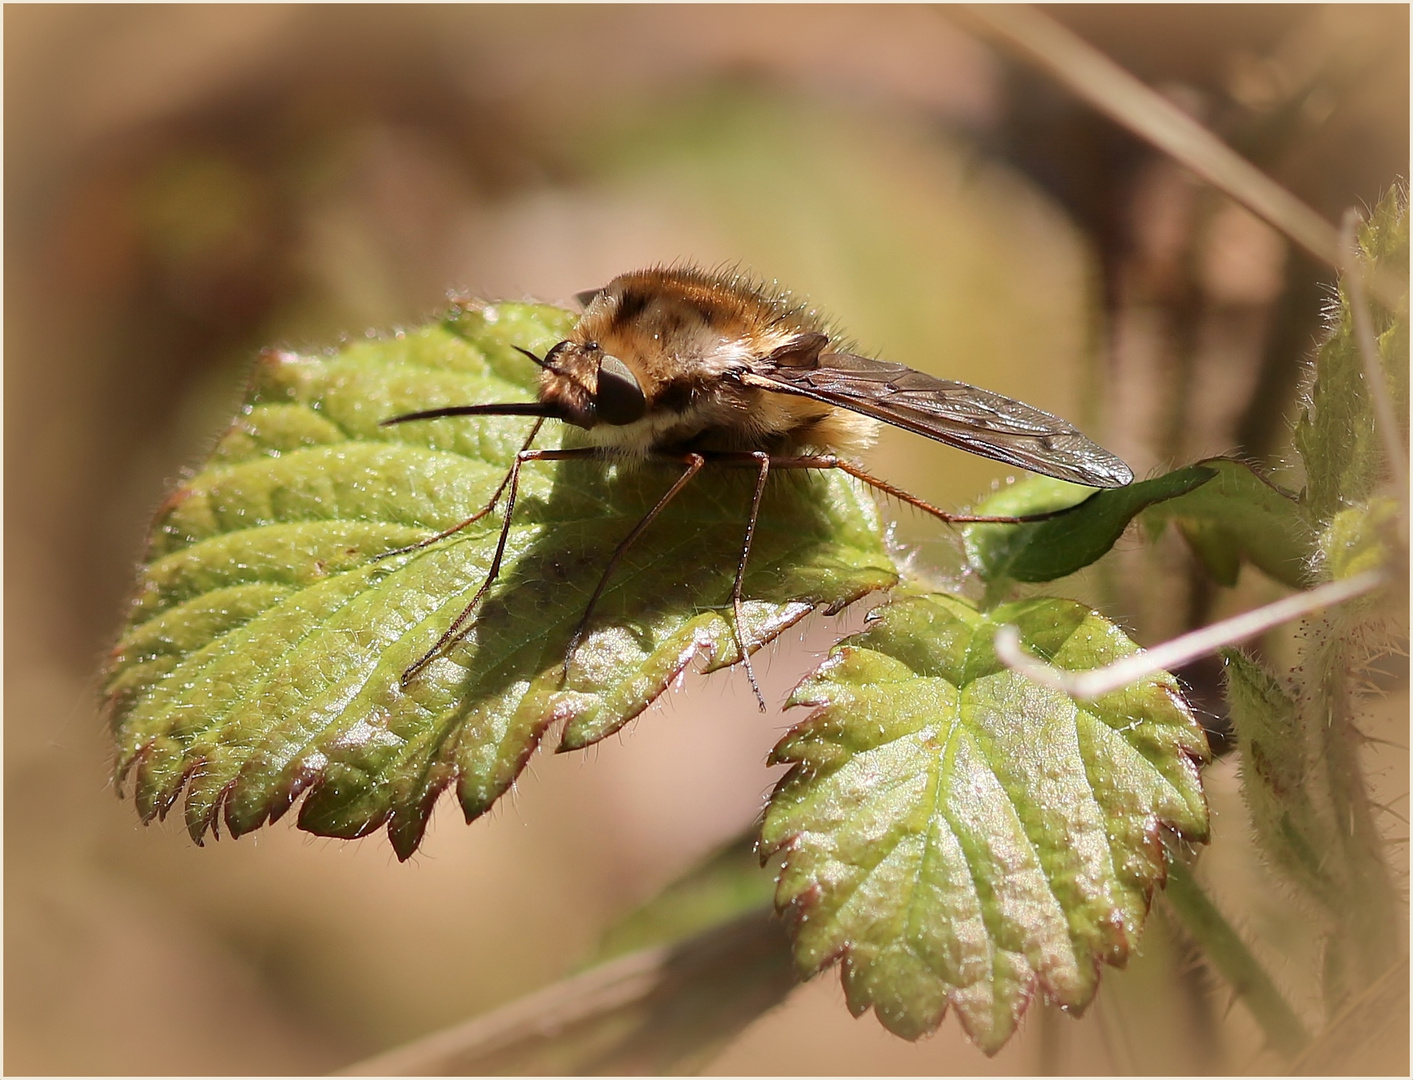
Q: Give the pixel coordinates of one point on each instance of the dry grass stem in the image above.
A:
(1106, 86)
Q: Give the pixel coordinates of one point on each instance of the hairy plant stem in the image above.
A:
(1222, 945)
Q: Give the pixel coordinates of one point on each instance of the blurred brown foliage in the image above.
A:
(187, 184)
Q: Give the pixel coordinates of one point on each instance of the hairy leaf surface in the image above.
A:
(1337, 434)
(263, 650)
(1279, 774)
(1240, 516)
(955, 834)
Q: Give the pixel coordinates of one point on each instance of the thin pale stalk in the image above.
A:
(1096, 79)
(1369, 1036)
(1095, 682)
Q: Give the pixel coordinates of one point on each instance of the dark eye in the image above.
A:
(619, 399)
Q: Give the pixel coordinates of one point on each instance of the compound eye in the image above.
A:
(619, 399)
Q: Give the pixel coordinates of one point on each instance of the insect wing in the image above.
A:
(964, 416)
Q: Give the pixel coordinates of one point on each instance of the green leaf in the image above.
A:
(1062, 545)
(1336, 435)
(1239, 516)
(956, 834)
(263, 651)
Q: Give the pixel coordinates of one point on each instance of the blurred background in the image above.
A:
(187, 184)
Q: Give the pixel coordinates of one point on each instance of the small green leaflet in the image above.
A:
(1240, 516)
(955, 834)
(1061, 545)
(1227, 512)
(262, 654)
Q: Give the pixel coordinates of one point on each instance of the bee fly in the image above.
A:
(684, 366)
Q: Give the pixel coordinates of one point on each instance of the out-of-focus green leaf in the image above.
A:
(1360, 538)
(263, 650)
(1050, 549)
(956, 834)
(1239, 516)
(1337, 434)
(1357, 517)
(723, 887)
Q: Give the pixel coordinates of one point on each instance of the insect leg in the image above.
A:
(512, 480)
(763, 462)
(477, 516)
(694, 463)
(829, 461)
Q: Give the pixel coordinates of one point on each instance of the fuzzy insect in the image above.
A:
(685, 366)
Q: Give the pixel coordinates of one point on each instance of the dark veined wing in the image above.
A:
(954, 413)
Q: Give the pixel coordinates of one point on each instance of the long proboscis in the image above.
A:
(509, 408)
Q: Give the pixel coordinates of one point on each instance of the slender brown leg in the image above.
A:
(477, 516)
(829, 461)
(513, 481)
(694, 464)
(763, 462)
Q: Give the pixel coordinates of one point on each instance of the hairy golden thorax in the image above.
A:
(692, 341)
